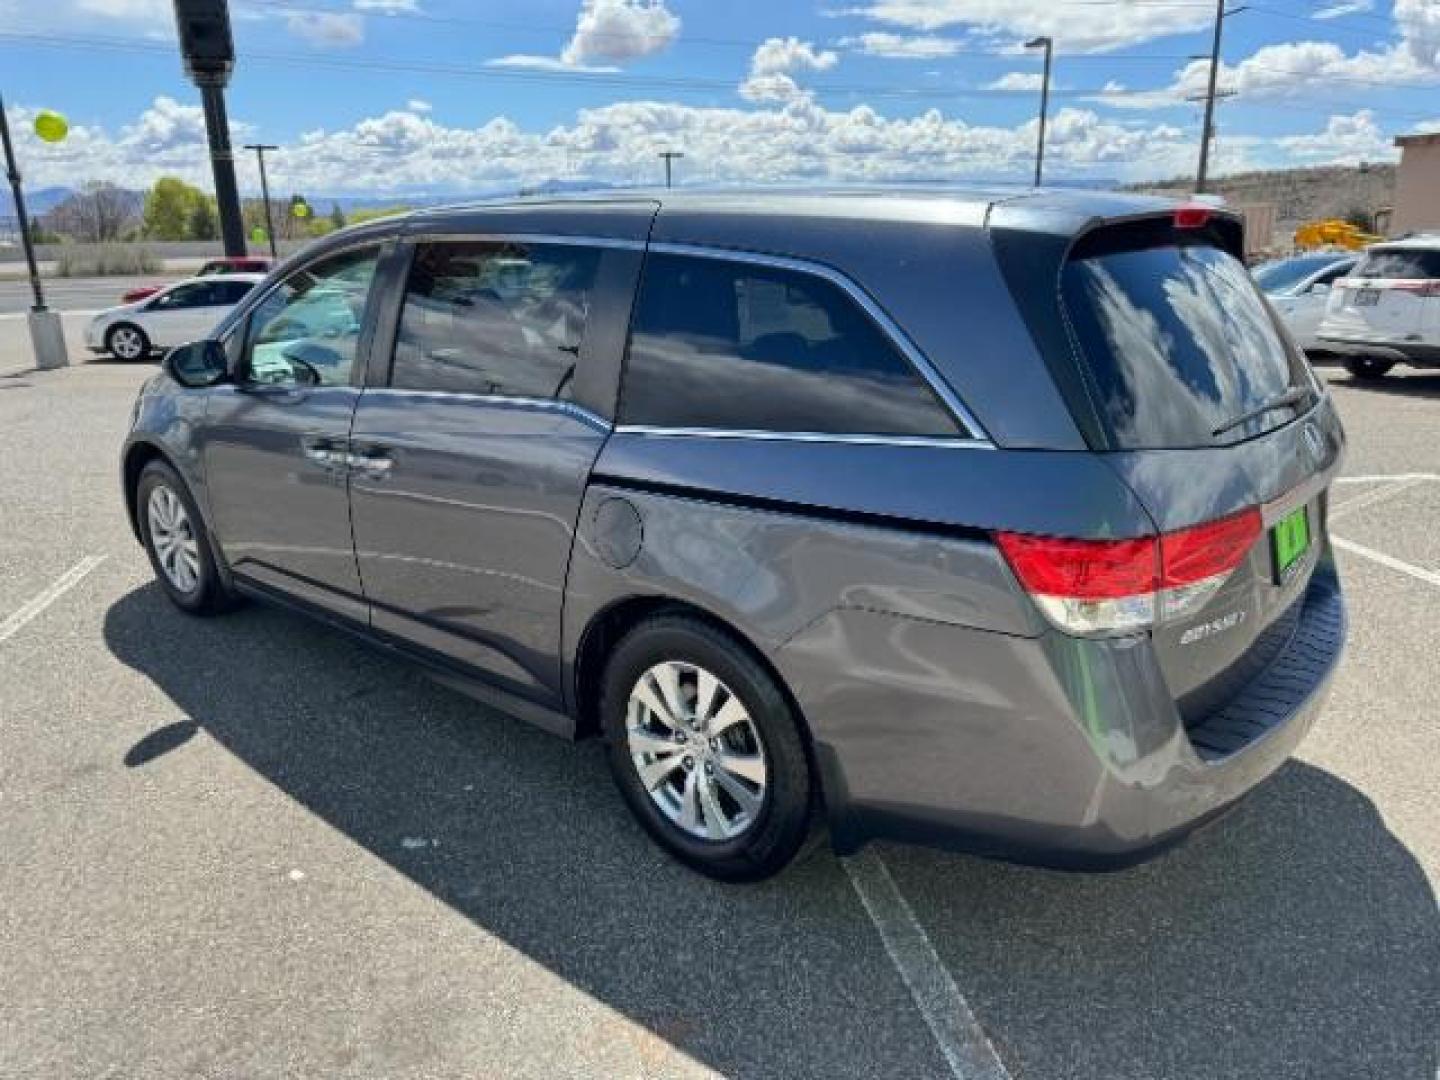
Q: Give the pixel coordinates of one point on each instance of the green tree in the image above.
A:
(168, 207)
(203, 223)
(337, 216)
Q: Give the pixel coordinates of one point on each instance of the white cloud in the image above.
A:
(527, 62)
(419, 105)
(1419, 23)
(902, 46)
(1346, 140)
(774, 59)
(616, 31)
(327, 29)
(1346, 7)
(407, 151)
(388, 7)
(1303, 70)
(1017, 80)
(1079, 28)
(776, 56)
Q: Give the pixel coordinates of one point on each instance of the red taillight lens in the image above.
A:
(1203, 551)
(1081, 569)
(1112, 586)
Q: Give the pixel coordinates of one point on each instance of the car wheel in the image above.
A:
(127, 342)
(176, 541)
(1364, 367)
(706, 749)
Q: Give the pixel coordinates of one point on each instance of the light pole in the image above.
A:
(260, 149)
(209, 54)
(47, 336)
(669, 156)
(1049, 46)
(1207, 129)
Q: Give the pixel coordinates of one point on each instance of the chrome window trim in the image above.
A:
(935, 441)
(975, 431)
(537, 404)
(451, 237)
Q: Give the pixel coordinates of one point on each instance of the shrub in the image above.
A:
(108, 260)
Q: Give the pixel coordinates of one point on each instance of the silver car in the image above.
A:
(987, 519)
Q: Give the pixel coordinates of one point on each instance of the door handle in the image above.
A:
(327, 452)
(374, 460)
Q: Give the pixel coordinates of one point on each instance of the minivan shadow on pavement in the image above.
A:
(1297, 938)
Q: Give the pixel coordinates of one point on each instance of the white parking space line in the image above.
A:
(1419, 573)
(63, 584)
(962, 1041)
(1370, 498)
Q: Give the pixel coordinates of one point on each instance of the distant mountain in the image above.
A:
(37, 200)
(1326, 191)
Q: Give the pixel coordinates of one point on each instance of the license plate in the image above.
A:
(1367, 297)
(1289, 540)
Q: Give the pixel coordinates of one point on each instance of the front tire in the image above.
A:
(126, 341)
(706, 749)
(1368, 368)
(177, 542)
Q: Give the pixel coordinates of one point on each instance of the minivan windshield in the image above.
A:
(1177, 345)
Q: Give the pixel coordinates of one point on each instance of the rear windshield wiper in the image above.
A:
(1293, 396)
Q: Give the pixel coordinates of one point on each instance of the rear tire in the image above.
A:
(1368, 368)
(126, 341)
(727, 788)
(178, 543)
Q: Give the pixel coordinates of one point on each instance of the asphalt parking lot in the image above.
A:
(251, 847)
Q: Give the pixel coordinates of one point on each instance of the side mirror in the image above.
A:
(197, 365)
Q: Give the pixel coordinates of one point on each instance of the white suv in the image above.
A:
(1387, 311)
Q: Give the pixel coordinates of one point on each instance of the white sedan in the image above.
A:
(185, 311)
(1299, 287)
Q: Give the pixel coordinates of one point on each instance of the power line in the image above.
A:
(676, 84)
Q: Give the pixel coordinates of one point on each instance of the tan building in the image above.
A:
(1417, 184)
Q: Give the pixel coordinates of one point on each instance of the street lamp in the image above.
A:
(47, 336)
(1049, 46)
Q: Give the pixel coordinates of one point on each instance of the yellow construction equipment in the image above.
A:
(1332, 232)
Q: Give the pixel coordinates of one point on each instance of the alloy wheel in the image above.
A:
(696, 750)
(125, 342)
(173, 538)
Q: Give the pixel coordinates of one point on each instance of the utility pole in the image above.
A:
(1049, 46)
(669, 156)
(1207, 130)
(260, 149)
(47, 336)
(209, 54)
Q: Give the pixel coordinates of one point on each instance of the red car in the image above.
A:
(229, 264)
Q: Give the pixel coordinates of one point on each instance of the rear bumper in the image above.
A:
(1055, 751)
(1416, 353)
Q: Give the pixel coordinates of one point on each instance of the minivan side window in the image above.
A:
(306, 332)
(717, 343)
(495, 318)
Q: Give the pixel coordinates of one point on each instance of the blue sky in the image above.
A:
(438, 96)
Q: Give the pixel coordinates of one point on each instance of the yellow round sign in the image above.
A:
(51, 126)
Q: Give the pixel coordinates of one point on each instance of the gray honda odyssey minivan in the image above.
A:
(988, 519)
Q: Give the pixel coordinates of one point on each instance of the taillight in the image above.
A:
(1113, 586)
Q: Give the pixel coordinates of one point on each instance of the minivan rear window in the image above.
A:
(1399, 263)
(1177, 344)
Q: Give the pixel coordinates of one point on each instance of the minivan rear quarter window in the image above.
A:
(1176, 342)
(723, 344)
